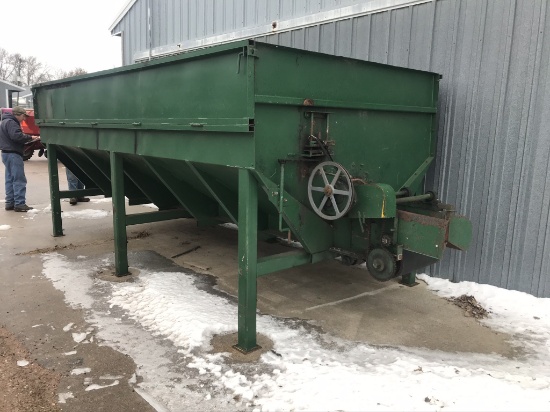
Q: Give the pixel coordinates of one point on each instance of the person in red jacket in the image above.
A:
(12, 142)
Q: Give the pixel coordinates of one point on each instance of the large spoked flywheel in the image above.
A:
(330, 190)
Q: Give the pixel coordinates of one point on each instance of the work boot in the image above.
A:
(83, 199)
(22, 208)
(73, 201)
(9, 207)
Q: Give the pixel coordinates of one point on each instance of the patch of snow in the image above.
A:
(95, 387)
(22, 362)
(79, 337)
(102, 200)
(5, 227)
(87, 214)
(307, 370)
(63, 397)
(80, 371)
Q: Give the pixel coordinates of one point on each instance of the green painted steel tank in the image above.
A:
(331, 149)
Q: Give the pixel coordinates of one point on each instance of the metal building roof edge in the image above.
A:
(12, 85)
(121, 15)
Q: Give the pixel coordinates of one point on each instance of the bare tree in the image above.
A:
(6, 69)
(36, 72)
(75, 72)
(26, 71)
(18, 63)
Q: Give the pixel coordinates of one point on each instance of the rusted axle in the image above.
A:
(426, 196)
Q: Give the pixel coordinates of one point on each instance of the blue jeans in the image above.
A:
(16, 182)
(72, 180)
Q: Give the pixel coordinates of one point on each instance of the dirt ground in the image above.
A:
(26, 388)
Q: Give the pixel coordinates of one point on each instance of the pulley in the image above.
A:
(330, 190)
(381, 264)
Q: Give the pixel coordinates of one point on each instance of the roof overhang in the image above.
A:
(12, 86)
(121, 15)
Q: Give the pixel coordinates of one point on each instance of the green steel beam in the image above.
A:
(75, 160)
(222, 195)
(54, 190)
(199, 205)
(149, 184)
(248, 253)
(314, 233)
(66, 194)
(99, 173)
(418, 175)
(409, 279)
(298, 101)
(287, 260)
(119, 214)
(235, 125)
(139, 218)
(281, 261)
(101, 161)
(250, 80)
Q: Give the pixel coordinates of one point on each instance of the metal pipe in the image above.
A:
(281, 198)
(427, 196)
(402, 192)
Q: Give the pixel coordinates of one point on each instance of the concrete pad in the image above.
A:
(341, 300)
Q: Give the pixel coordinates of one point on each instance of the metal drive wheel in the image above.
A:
(330, 190)
(381, 264)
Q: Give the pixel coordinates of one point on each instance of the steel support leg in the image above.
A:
(55, 199)
(119, 215)
(248, 253)
(409, 279)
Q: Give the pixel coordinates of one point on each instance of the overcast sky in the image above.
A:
(63, 34)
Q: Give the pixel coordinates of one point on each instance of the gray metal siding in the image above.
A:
(494, 144)
(133, 29)
(177, 21)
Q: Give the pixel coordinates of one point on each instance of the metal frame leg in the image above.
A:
(248, 253)
(119, 214)
(409, 279)
(55, 199)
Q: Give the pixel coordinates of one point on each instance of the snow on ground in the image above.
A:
(513, 312)
(87, 214)
(307, 370)
(38, 210)
(5, 227)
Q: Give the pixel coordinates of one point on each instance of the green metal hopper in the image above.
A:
(331, 149)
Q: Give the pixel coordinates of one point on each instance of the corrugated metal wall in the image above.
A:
(494, 133)
(177, 21)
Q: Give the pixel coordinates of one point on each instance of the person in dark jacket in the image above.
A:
(75, 184)
(12, 142)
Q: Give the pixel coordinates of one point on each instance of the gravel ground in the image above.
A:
(26, 388)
